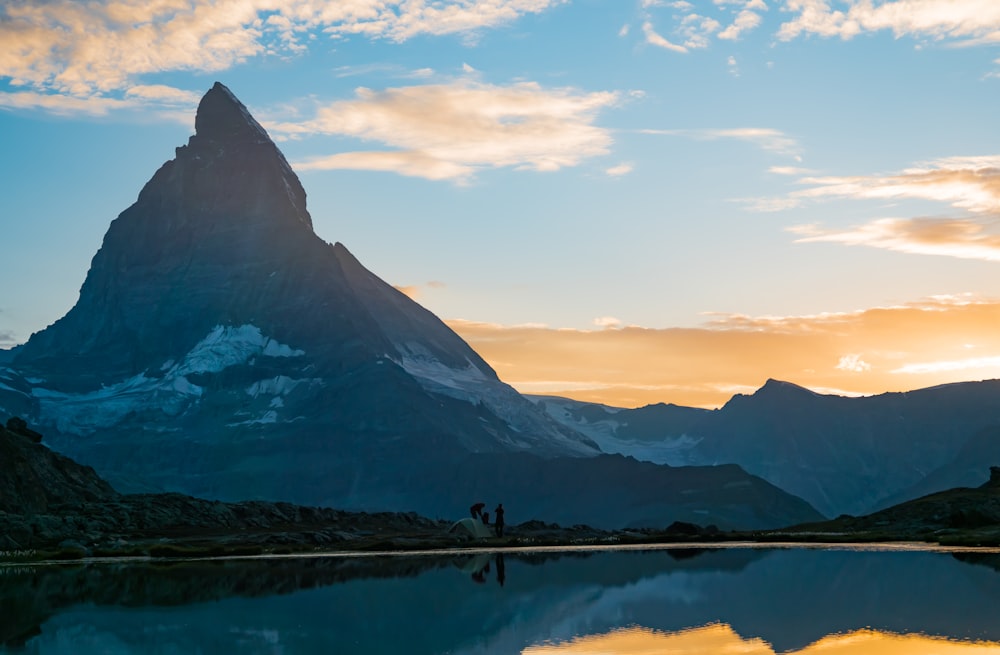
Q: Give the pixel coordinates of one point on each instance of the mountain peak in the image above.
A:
(773, 386)
(222, 117)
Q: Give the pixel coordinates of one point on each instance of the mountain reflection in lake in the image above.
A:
(752, 601)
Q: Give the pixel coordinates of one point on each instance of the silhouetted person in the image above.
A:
(486, 518)
(501, 571)
(477, 510)
(498, 521)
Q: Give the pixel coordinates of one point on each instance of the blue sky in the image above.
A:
(604, 180)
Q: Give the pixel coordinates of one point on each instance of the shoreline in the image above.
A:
(439, 552)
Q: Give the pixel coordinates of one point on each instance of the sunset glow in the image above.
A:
(859, 353)
(723, 640)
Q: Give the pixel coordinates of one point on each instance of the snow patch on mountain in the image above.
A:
(172, 394)
(279, 385)
(83, 413)
(227, 346)
(264, 419)
(472, 385)
(673, 451)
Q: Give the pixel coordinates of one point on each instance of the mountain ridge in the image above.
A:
(844, 455)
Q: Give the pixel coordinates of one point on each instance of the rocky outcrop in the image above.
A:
(34, 479)
(19, 426)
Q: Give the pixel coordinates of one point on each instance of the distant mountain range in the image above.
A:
(220, 348)
(843, 455)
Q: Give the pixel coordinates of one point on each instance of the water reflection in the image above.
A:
(721, 638)
(718, 601)
(478, 567)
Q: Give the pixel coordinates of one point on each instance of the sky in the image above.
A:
(620, 201)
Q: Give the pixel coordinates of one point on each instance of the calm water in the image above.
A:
(747, 601)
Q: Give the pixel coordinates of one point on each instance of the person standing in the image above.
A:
(498, 519)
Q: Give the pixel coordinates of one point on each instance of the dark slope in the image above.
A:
(33, 478)
(962, 515)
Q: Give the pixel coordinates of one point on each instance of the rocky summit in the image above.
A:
(220, 348)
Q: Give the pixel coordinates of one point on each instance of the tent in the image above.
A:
(469, 527)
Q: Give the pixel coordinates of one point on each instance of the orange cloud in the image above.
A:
(939, 340)
(449, 131)
(87, 49)
(414, 291)
(971, 184)
(962, 238)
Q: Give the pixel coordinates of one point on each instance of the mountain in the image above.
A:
(963, 515)
(220, 348)
(965, 470)
(843, 455)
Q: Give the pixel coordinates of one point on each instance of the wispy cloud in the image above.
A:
(745, 21)
(415, 291)
(450, 131)
(971, 184)
(694, 31)
(962, 238)
(951, 22)
(170, 107)
(963, 22)
(790, 170)
(86, 49)
(932, 341)
(764, 137)
(657, 39)
(621, 169)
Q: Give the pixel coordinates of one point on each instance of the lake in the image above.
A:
(754, 601)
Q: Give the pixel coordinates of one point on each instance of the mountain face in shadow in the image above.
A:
(843, 455)
(220, 348)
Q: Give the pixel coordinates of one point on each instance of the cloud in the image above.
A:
(654, 38)
(607, 322)
(971, 183)
(169, 108)
(973, 363)
(87, 49)
(769, 204)
(414, 291)
(450, 131)
(790, 170)
(962, 238)
(167, 94)
(967, 183)
(764, 137)
(896, 348)
(621, 169)
(695, 31)
(964, 22)
(853, 363)
(745, 21)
